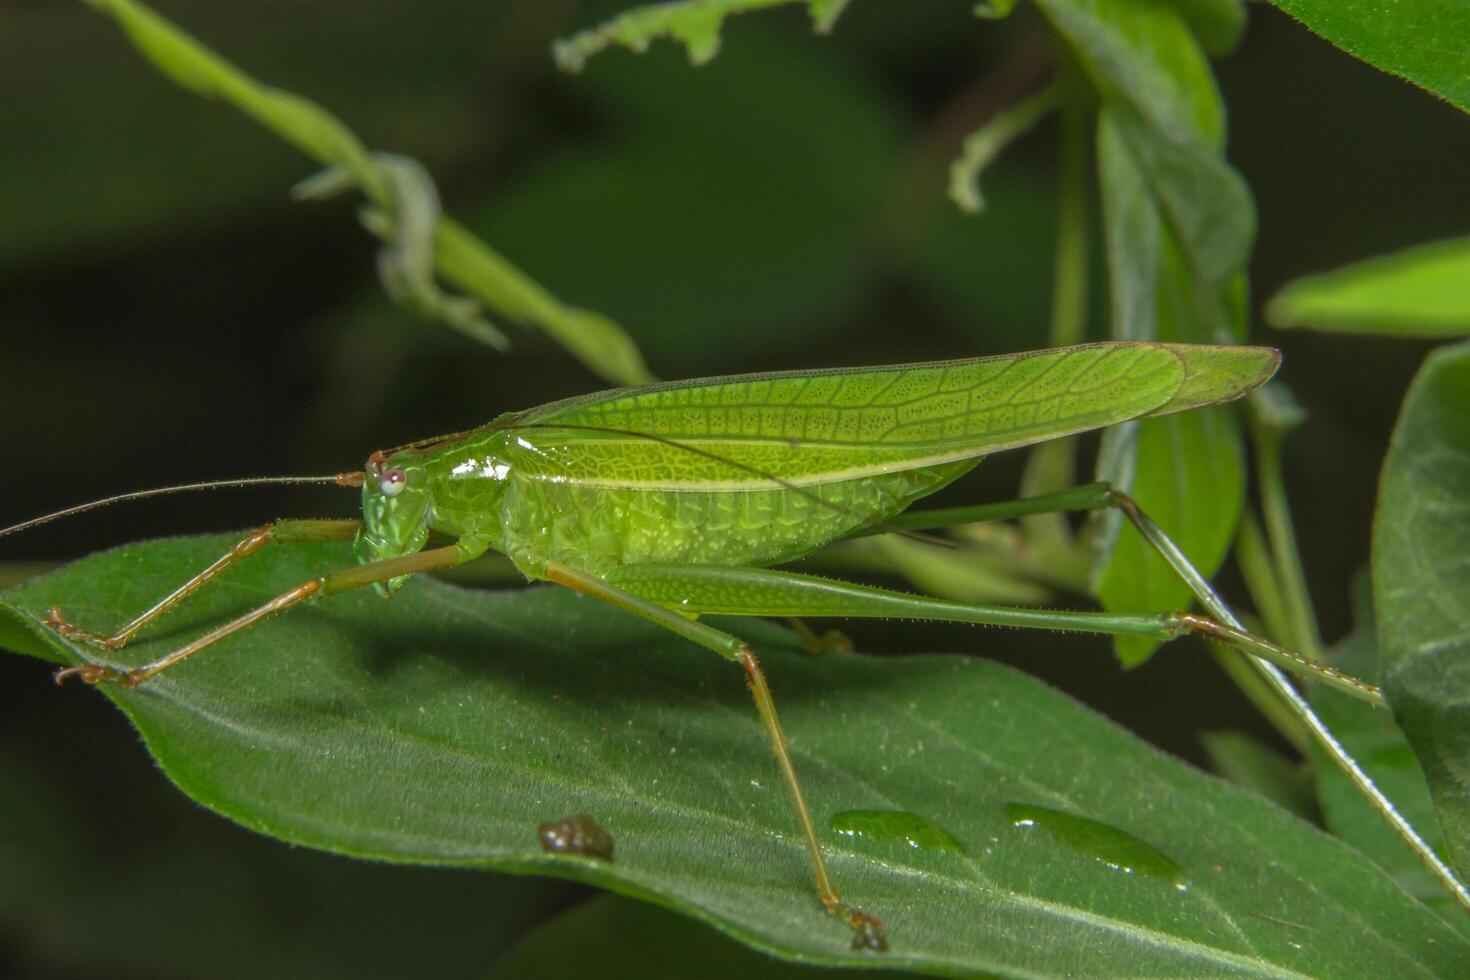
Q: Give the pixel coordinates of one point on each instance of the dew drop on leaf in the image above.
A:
(896, 827)
(1109, 846)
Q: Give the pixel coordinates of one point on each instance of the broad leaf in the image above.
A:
(614, 938)
(1425, 41)
(443, 727)
(1186, 471)
(1178, 223)
(1189, 477)
(1218, 24)
(1421, 583)
(1420, 292)
(1249, 762)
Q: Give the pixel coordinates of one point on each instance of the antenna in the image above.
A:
(353, 479)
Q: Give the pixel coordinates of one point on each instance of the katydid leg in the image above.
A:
(1170, 552)
(339, 581)
(1226, 627)
(1099, 496)
(1089, 496)
(866, 926)
(710, 589)
(301, 530)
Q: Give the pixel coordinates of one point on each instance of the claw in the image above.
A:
(96, 674)
(77, 634)
(869, 935)
(86, 673)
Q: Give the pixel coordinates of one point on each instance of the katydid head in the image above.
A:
(396, 509)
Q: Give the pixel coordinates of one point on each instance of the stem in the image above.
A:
(1257, 567)
(1260, 580)
(1304, 633)
(1052, 465)
(1069, 269)
(1263, 696)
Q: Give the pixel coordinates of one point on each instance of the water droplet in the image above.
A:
(578, 834)
(1109, 846)
(896, 827)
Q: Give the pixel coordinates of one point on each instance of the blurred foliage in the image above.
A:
(170, 315)
(693, 23)
(1419, 292)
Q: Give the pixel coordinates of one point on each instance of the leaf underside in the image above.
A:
(443, 727)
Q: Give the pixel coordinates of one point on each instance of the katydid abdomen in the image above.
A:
(484, 487)
(598, 528)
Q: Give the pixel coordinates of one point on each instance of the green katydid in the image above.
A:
(671, 501)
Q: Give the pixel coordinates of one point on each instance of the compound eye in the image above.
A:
(391, 482)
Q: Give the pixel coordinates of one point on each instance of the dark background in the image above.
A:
(169, 315)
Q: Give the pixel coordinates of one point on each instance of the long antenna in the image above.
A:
(353, 479)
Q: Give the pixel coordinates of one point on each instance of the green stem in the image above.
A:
(1291, 580)
(1069, 267)
(458, 255)
(1257, 567)
(1052, 465)
(1263, 696)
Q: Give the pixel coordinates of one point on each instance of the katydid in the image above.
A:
(672, 500)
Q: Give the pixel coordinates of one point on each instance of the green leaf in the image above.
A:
(1186, 471)
(1141, 54)
(1178, 224)
(693, 23)
(615, 938)
(1424, 41)
(1379, 745)
(1420, 292)
(1249, 762)
(1218, 24)
(1421, 583)
(1162, 116)
(443, 727)
(1189, 477)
